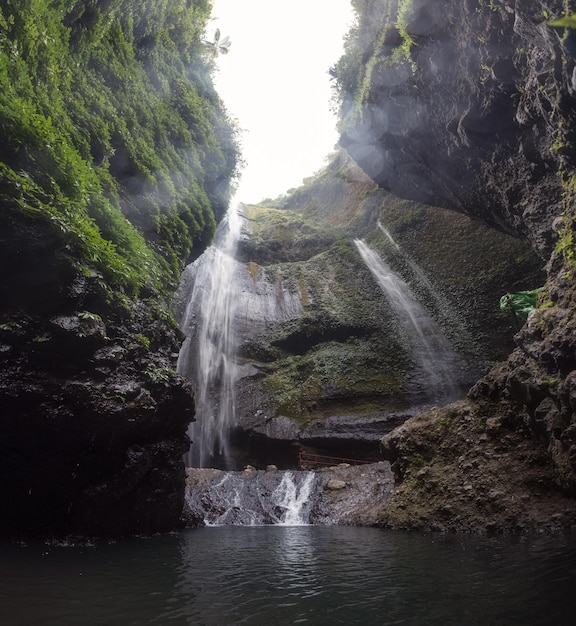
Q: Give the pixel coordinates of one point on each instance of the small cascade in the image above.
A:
(430, 349)
(207, 357)
(255, 498)
(293, 498)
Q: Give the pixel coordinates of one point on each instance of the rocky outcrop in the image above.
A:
(474, 466)
(93, 417)
(343, 494)
(464, 105)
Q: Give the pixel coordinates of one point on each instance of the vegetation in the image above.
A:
(379, 39)
(569, 21)
(115, 145)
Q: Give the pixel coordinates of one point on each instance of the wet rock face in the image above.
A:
(342, 494)
(325, 361)
(93, 421)
(467, 121)
(477, 118)
(505, 460)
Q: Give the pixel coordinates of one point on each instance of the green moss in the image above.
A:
(563, 148)
(405, 9)
(346, 354)
(379, 39)
(113, 137)
(566, 245)
(159, 375)
(253, 269)
(355, 376)
(446, 423)
(142, 340)
(278, 235)
(417, 462)
(304, 297)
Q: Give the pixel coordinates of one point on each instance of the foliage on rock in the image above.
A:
(114, 142)
(116, 161)
(479, 117)
(345, 354)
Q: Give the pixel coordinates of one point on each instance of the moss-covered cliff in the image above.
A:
(115, 164)
(328, 361)
(116, 159)
(470, 106)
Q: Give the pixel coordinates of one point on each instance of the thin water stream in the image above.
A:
(430, 348)
(442, 305)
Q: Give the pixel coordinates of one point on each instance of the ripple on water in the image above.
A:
(272, 576)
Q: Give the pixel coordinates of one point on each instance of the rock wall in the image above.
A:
(476, 114)
(115, 163)
(326, 361)
(93, 417)
(465, 105)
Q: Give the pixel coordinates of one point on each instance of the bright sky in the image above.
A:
(275, 82)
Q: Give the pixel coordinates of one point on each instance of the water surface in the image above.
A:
(262, 576)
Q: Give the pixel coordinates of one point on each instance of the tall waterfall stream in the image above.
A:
(208, 354)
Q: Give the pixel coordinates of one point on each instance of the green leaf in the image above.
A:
(568, 22)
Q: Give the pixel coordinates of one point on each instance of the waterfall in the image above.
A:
(292, 498)
(207, 357)
(442, 306)
(430, 349)
(388, 235)
(255, 498)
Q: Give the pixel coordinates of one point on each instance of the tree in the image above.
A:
(219, 46)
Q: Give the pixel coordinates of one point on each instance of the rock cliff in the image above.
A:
(94, 420)
(470, 106)
(115, 163)
(105, 192)
(327, 363)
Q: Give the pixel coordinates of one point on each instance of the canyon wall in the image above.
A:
(115, 164)
(470, 106)
(327, 363)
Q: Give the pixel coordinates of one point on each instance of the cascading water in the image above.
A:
(443, 308)
(430, 349)
(293, 498)
(207, 357)
(256, 498)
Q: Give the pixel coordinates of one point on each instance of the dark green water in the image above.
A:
(293, 575)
